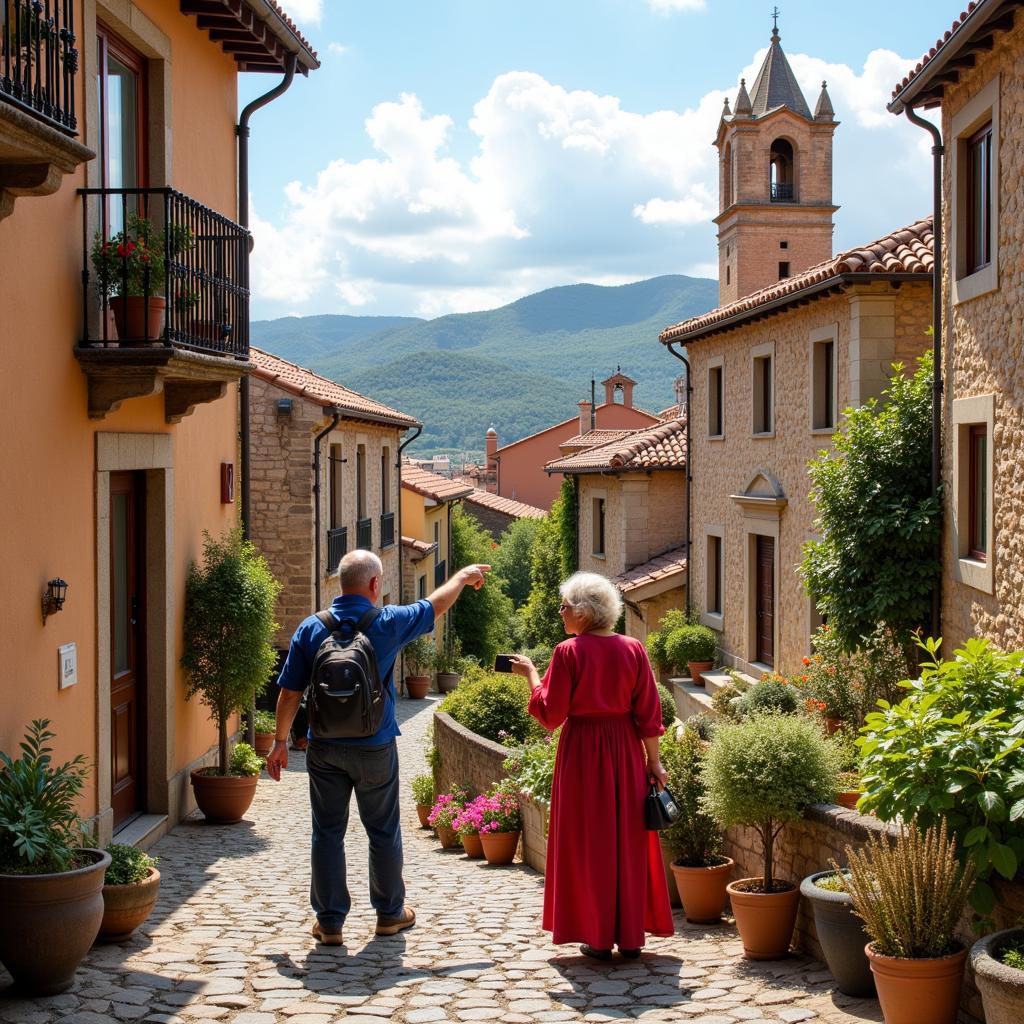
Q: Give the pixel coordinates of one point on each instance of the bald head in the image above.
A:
(356, 571)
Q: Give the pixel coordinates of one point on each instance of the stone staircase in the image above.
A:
(692, 699)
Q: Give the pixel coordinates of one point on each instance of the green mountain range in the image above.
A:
(521, 367)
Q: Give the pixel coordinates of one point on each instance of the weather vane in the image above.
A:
(775, 17)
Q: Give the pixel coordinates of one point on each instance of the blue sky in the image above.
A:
(456, 154)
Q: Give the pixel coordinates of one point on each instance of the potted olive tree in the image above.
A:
(692, 648)
(50, 882)
(762, 773)
(419, 659)
(130, 891)
(448, 663)
(229, 624)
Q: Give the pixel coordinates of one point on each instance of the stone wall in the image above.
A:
(466, 759)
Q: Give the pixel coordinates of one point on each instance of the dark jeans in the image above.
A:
(335, 771)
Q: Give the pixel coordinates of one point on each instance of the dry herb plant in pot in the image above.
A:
(695, 840)
(130, 891)
(763, 773)
(997, 963)
(911, 893)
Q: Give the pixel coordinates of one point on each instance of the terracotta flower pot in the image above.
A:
(697, 670)
(449, 837)
(139, 319)
(224, 799)
(125, 907)
(848, 798)
(702, 891)
(912, 991)
(472, 845)
(417, 687)
(49, 922)
(447, 681)
(841, 936)
(500, 847)
(264, 743)
(422, 812)
(1001, 986)
(832, 726)
(765, 920)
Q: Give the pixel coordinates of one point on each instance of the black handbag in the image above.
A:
(660, 809)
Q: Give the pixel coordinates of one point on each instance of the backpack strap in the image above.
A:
(332, 624)
(369, 617)
(328, 621)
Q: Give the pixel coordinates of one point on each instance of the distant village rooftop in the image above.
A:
(906, 254)
(506, 506)
(659, 447)
(430, 485)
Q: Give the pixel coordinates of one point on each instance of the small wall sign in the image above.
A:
(227, 483)
(67, 664)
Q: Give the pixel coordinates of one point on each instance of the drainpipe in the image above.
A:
(689, 476)
(937, 387)
(335, 415)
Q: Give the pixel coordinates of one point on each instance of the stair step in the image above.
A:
(691, 699)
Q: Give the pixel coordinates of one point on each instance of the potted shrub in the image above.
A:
(911, 894)
(50, 883)
(448, 663)
(848, 758)
(692, 647)
(265, 727)
(840, 931)
(997, 963)
(228, 658)
(130, 891)
(762, 773)
(419, 658)
(501, 824)
(442, 816)
(423, 794)
(700, 871)
(466, 825)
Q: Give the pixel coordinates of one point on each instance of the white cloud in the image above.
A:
(561, 186)
(338, 49)
(305, 10)
(669, 6)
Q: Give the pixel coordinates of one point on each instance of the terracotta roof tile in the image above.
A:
(421, 547)
(673, 412)
(508, 507)
(565, 423)
(307, 384)
(592, 438)
(658, 569)
(430, 485)
(909, 250)
(659, 447)
(293, 27)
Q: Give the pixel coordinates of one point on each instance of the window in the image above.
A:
(823, 384)
(361, 481)
(421, 588)
(728, 275)
(783, 245)
(781, 171)
(716, 398)
(598, 546)
(714, 575)
(977, 510)
(978, 200)
(385, 480)
(334, 473)
(763, 394)
(437, 543)
(783, 269)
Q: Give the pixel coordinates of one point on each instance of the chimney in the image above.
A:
(585, 411)
(491, 462)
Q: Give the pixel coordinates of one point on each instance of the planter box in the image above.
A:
(535, 832)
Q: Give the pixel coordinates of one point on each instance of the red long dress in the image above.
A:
(605, 878)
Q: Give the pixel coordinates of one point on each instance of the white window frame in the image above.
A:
(716, 363)
(716, 620)
(968, 412)
(982, 107)
(765, 351)
(819, 336)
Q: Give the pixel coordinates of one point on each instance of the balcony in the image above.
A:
(364, 534)
(387, 529)
(165, 299)
(440, 573)
(782, 192)
(337, 547)
(38, 125)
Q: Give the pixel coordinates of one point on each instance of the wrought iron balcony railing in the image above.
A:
(160, 268)
(38, 60)
(387, 529)
(337, 547)
(440, 573)
(364, 534)
(782, 192)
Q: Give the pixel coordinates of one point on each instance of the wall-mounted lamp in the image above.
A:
(53, 599)
(284, 407)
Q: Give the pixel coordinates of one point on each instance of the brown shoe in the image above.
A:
(328, 936)
(394, 925)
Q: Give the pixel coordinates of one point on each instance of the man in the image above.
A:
(369, 766)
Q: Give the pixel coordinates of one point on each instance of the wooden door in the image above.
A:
(765, 600)
(127, 647)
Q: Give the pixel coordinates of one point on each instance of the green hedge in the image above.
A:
(494, 705)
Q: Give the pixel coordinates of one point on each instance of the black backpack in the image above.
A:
(346, 695)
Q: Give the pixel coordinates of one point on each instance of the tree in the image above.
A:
(512, 559)
(878, 519)
(481, 618)
(542, 625)
(564, 513)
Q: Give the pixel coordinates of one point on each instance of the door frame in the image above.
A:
(759, 540)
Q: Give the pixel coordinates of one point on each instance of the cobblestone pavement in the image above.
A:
(229, 941)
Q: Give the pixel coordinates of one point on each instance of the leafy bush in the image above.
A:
(690, 643)
(448, 655)
(39, 826)
(531, 767)
(725, 699)
(245, 761)
(668, 705)
(770, 695)
(694, 838)
(876, 514)
(422, 787)
(127, 865)
(511, 561)
(265, 721)
(763, 772)
(552, 559)
(952, 749)
(229, 626)
(540, 656)
(493, 705)
(419, 655)
(702, 724)
(910, 893)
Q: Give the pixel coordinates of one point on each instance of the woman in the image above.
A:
(605, 882)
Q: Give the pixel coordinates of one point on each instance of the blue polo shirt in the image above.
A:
(394, 627)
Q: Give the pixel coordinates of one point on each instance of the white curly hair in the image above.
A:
(593, 598)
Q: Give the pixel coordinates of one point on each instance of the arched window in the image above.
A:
(727, 183)
(781, 171)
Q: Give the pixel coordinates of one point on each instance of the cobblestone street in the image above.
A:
(229, 941)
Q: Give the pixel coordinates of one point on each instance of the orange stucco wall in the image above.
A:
(521, 465)
(48, 463)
